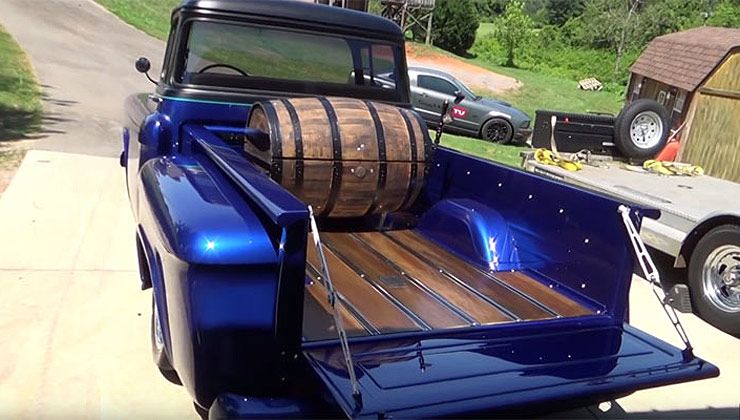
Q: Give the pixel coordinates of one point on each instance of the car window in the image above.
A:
(436, 84)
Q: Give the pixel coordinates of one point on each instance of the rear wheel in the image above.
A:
(714, 278)
(497, 130)
(158, 351)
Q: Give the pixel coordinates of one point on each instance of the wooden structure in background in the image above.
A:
(360, 5)
(409, 14)
(695, 74)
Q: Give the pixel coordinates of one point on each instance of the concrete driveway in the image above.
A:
(74, 340)
(74, 328)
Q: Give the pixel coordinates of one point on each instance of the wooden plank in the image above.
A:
(476, 307)
(384, 276)
(318, 323)
(318, 292)
(377, 310)
(558, 303)
(450, 263)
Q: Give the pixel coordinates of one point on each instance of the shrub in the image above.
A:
(454, 25)
(513, 29)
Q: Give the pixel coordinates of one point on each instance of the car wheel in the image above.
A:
(497, 130)
(714, 278)
(158, 351)
(641, 129)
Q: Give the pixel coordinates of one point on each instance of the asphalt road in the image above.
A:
(74, 328)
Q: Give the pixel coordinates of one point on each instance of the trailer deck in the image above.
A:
(684, 201)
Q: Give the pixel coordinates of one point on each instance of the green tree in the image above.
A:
(489, 9)
(727, 14)
(454, 25)
(513, 29)
(559, 11)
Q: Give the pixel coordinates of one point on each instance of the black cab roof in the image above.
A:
(301, 11)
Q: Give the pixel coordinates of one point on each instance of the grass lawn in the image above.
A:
(502, 153)
(541, 91)
(484, 28)
(20, 105)
(151, 16)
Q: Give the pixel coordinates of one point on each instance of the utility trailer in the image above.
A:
(312, 253)
(698, 228)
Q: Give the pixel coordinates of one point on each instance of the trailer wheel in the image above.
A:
(641, 129)
(158, 352)
(714, 278)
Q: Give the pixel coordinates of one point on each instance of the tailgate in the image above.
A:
(443, 376)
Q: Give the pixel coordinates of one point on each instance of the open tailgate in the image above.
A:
(481, 373)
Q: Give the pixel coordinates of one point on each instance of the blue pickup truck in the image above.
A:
(312, 252)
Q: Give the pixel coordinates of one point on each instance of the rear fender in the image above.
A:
(474, 230)
(223, 271)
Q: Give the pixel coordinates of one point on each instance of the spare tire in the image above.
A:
(641, 129)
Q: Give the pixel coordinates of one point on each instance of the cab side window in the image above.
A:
(436, 84)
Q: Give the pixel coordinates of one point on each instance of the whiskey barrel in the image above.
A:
(346, 157)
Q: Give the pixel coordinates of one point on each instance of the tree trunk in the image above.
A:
(623, 37)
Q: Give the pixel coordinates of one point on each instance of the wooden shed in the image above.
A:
(695, 74)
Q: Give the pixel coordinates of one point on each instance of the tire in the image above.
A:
(158, 351)
(641, 129)
(497, 130)
(714, 278)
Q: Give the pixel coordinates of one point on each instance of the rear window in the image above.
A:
(244, 56)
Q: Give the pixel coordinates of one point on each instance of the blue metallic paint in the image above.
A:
(198, 223)
(226, 246)
(483, 375)
(232, 406)
(220, 262)
(473, 230)
(572, 238)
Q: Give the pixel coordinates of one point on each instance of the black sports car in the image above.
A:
(488, 119)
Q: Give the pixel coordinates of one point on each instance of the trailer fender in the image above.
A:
(709, 223)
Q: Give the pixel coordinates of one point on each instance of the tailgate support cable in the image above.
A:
(652, 275)
(332, 297)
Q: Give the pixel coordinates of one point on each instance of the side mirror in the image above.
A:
(459, 96)
(142, 66)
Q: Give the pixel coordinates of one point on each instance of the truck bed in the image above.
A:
(399, 281)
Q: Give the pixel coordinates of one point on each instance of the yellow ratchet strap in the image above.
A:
(672, 168)
(547, 157)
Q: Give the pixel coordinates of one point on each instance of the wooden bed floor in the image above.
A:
(399, 281)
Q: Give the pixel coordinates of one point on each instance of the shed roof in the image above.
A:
(684, 59)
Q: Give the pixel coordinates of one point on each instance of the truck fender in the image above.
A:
(484, 234)
(197, 222)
